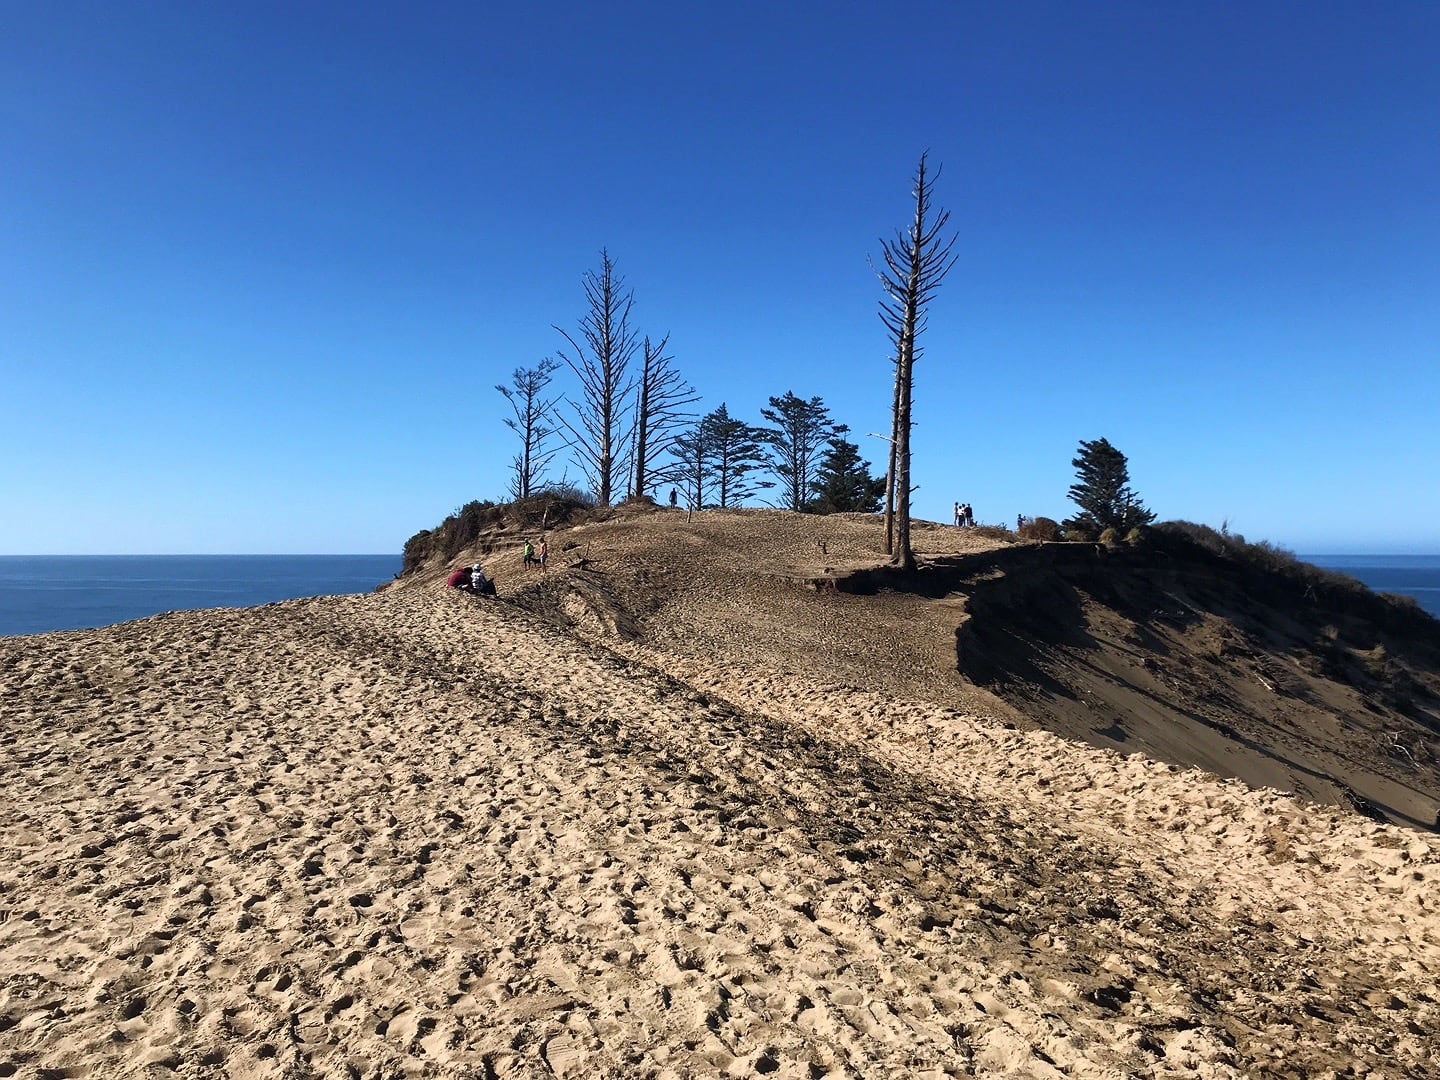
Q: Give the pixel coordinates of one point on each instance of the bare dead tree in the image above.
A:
(890, 470)
(601, 360)
(662, 397)
(916, 262)
(534, 423)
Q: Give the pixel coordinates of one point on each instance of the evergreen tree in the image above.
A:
(1103, 493)
(691, 468)
(801, 428)
(735, 451)
(843, 483)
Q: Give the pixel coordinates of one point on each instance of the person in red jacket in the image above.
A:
(458, 579)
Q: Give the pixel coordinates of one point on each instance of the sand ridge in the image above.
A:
(1145, 647)
(417, 834)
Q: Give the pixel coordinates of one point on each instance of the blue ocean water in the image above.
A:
(1408, 575)
(41, 593)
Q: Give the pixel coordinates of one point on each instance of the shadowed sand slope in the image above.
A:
(1150, 649)
(418, 834)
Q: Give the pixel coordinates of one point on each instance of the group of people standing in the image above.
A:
(964, 515)
(537, 558)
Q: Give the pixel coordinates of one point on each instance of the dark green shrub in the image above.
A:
(1043, 529)
(457, 532)
(1216, 542)
(568, 493)
(992, 532)
(488, 523)
(468, 522)
(1311, 583)
(418, 548)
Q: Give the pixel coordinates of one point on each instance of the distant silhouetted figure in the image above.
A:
(674, 497)
(959, 520)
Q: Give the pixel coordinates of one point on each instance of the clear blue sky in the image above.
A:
(261, 264)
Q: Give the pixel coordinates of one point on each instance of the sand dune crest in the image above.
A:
(410, 834)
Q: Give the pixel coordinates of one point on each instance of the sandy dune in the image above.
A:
(416, 834)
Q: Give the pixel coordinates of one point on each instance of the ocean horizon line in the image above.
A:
(209, 555)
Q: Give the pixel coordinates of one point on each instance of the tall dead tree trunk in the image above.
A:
(890, 469)
(659, 412)
(916, 262)
(601, 360)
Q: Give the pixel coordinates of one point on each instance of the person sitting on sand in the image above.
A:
(458, 579)
(480, 585)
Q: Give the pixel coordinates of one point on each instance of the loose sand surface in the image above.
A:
(418, 834)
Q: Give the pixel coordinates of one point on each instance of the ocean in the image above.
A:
(41, 593)
(1408, 575)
